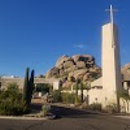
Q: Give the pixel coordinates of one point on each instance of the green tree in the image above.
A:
(82, 88)
(57, 97)
(76, 87)
(31, 87)
(28, 86)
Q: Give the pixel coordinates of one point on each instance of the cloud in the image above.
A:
(123, 50)
(80, 46)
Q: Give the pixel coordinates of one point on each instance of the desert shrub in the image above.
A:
(46, 108)
(68, 98)
(124, 95)
(66, 88)
(11, 102)
(77, 100)
(13, 108)
(95, 107)
(111, 108)
(56, 96)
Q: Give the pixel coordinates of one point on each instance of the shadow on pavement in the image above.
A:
(66, 112)
(60, 112)
(36, 107)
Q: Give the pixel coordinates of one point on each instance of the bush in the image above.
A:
(11, 102)
(77, 100)
(56, 96)
(16, 108)
(111, 108)
(69, 98)
(95, 107)
(46, 108)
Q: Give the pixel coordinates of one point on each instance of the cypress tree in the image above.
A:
(76, 87)
(81, 87)
(31, 87)
(25, 87)
(28, 87)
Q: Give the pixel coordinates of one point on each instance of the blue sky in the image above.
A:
(35, 33)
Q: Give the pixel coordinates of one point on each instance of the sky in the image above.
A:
(35, 33)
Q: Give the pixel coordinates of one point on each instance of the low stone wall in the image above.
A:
(6, 81)
(20, 81)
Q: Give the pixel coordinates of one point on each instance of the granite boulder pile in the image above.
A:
(70, 69)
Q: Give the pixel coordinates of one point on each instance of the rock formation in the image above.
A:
(126, 69)
(70, 69)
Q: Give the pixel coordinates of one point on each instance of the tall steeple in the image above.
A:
(111, 69)
(111, 10)
(111, 14)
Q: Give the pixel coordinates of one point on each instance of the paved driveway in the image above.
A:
(70, 119)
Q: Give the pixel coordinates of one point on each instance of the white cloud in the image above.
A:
(123, 50)
(80, 46)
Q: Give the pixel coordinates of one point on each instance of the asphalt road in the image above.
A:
(70, 119)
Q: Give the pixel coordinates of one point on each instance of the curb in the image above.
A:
(24, 118)
(123, 117)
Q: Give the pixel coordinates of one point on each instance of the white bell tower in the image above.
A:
(111, 69)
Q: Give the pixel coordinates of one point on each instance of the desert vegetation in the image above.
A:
(12, 101)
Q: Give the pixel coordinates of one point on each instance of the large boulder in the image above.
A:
(76, 58)
(62, 60)
(52, 73)
(80, 64)
(67, 84)
(86, 77)
(88, 58)
(68, 64)
(126, 69)
(69, 69)
(84, 58)
(78, 73)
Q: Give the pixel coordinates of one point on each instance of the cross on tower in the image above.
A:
(111, 10)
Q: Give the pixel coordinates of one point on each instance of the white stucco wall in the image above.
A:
(111, 69)
(56, 85)
(111, 75)
(97, 82)
(124, 106)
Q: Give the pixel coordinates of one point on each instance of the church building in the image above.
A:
(105, 89)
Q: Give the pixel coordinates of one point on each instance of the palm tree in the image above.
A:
(82, 86)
